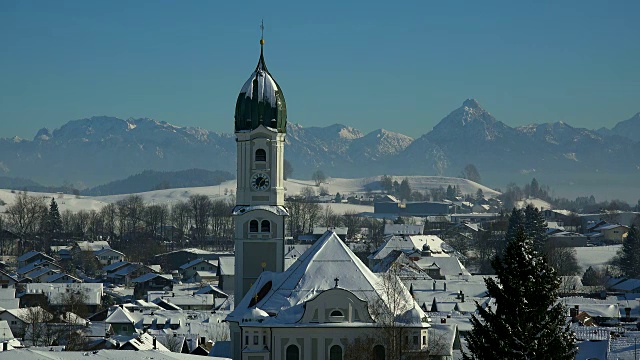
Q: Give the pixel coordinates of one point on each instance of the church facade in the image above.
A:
(328, 299)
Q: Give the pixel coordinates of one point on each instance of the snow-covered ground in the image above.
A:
(345, 187)
(596, 255)
(538, 203)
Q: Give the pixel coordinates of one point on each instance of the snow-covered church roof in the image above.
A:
(261, 101)
(283, 295)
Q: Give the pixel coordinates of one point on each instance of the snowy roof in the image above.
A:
(5, 331)
(119, 316)
(31, 254)
(449, 266)
(627, 285)
(93, 245)
(29, 353)
(145, 342)
(59, 276)
(115, 265)
(609, 227)
(196, 262)
(34, 265)
(108, 250)
(409, 243)
(313, 273)
(150, 276)
(278, 210)
(23, 313)
(227, 265)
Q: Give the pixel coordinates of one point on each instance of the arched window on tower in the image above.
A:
(253, 226)
(335, 353)
(265, 226)
(261, 155)
(292, 353)
(378, 352)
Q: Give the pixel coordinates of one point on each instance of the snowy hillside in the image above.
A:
(345, 187)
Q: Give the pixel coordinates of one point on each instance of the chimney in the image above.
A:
(443, 320)
(445, 286)
(434, 285)
(154, 343)
(461, 296)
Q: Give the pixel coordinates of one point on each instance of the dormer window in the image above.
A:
(261, 155)
(265, 226)
(336, 316)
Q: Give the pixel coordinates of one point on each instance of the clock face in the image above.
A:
(260, 181)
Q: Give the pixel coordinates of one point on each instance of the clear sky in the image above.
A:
(399, 65)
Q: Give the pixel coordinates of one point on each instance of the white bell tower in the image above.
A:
(260, 128)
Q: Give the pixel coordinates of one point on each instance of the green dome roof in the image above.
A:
(261, 102)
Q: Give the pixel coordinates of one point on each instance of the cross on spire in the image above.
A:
(336, 280)
(262, 33)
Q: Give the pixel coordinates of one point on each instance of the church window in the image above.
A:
(292, 353)
(261, 294)
(336, 313)
(253, 226)
(378, 352)
(335, 353)
(261, 155)
(255, 339)
(265, 226)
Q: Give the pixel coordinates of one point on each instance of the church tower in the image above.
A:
(260, 128)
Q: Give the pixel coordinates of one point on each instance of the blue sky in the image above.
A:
(400, 65)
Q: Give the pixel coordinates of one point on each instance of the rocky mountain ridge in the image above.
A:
(101, 149)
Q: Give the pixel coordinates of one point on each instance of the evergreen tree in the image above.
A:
(526, 321)
(405, 190)
(628, 258)
(53, 225)
(535, 227)
(516, 223)
(451, 193)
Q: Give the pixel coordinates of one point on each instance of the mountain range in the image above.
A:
(93, 151)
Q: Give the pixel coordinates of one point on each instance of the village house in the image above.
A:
(109, 256)
(190, 269)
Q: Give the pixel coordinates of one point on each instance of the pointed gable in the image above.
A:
(315, 271)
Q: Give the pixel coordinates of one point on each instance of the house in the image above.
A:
(567, 239)
(402, 229)
(31, 257)
(151, 281)
(226, 273)
(7, 280)
(54, 292)
(25, 270)
(189, 269)
(120, 321)
(18, 319)
(174, 259)
(125, 274)
(109, 256)
(612, 233)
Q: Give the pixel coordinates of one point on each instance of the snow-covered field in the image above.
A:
(596, 255)
(345, 187)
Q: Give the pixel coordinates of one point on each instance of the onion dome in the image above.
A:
(261, 101)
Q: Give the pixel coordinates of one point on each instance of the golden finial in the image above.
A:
(262, 31)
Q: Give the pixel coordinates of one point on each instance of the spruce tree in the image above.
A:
(535, 227)
(526, 321)
(516, 224)
(628, 258)
(54, 221)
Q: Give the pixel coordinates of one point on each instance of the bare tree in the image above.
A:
(25, 215)
(200, 206)
(318, 177)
